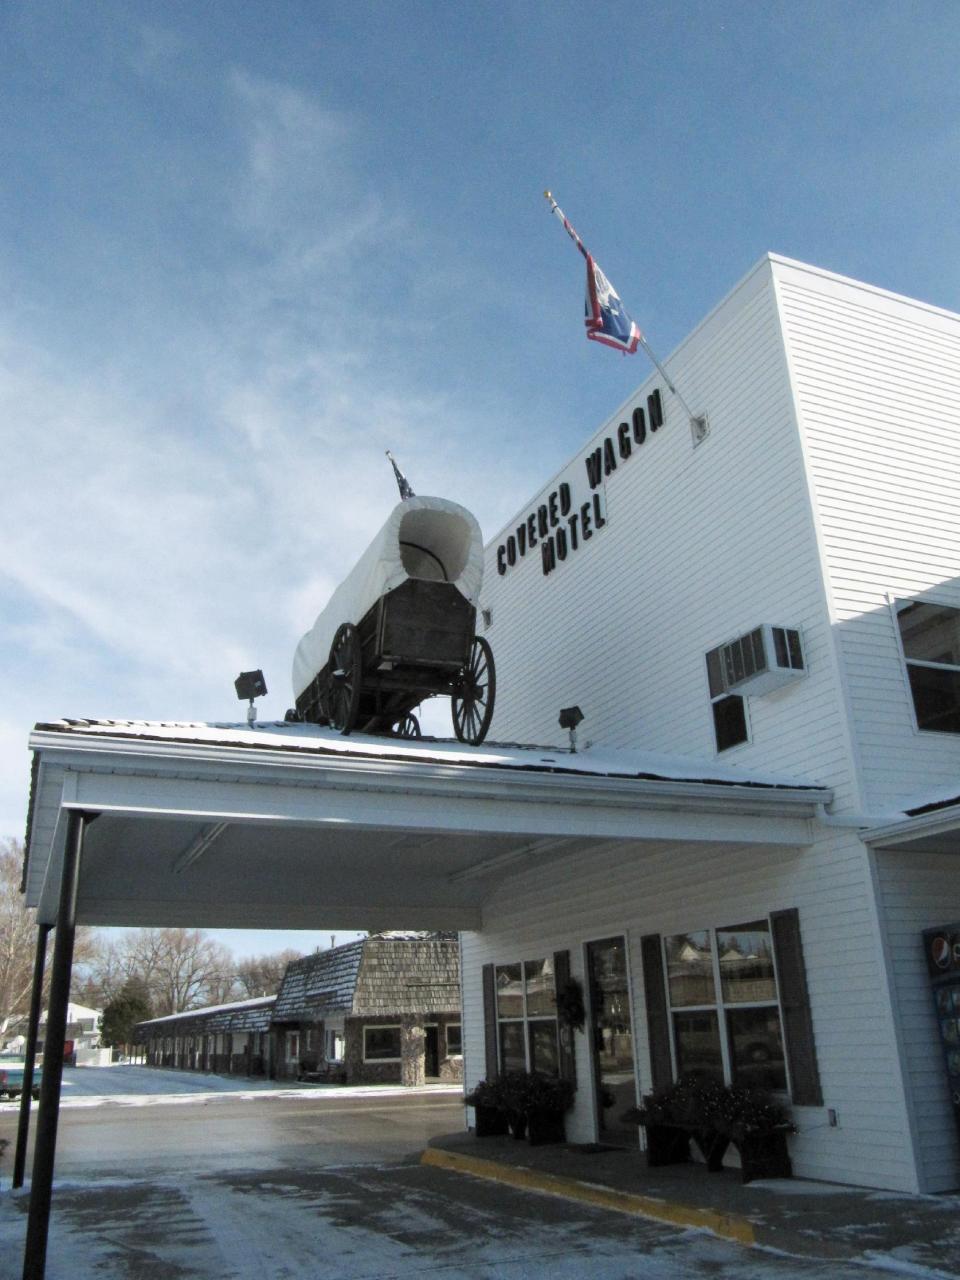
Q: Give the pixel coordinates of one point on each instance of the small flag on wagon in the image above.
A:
(605, 316)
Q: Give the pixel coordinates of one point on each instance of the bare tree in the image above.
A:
(179, 968)
(18, 939)
(262, 975)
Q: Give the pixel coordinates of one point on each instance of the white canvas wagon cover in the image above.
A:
(422, 538)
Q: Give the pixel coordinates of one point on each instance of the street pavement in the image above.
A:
(305, 1186)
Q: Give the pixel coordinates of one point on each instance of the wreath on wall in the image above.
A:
(570, 1006)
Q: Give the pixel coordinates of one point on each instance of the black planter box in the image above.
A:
(544, 1127)
(489, 1122)
(761, 1155)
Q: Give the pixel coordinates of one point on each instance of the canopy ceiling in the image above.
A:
(292, 826)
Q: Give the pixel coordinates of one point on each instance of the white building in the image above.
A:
(822, 506)
(761, 625)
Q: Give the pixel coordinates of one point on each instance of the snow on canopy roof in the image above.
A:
(313, 739)
(422, 538)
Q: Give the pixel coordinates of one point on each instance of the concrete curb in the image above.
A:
(726, 1226)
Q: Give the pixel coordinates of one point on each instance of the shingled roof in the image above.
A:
(319, 984)
(240, 1015)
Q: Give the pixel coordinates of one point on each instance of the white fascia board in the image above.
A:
(906, 830)
(319, 789)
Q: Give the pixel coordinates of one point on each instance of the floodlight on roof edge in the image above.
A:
(250, 684)
(570, 717)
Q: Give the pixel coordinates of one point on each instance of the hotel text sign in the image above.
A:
(560, 525)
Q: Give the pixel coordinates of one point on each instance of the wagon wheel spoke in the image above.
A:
(473, 698)
(343, 684)
(408, 726)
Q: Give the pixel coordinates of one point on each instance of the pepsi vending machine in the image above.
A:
(942, 947)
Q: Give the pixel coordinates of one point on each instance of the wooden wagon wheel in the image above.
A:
(342, 701)
(408, 726)
(472, 700)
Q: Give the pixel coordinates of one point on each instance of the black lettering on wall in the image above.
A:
(532, 529)
(511, 551)
(585, 529)
(573, 522)
(548, 556)
(522, 539)
(561, 540)
(565, 499)
(594, 462)
(639, 425)
(623, 440)
(542, 521)
(609, 457)
(599, 519)
(655, 409)
(552, 508)
(501, 563)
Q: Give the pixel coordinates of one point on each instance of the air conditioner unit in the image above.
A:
(764, 659)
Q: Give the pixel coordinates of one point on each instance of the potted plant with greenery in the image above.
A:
(527, 1103)
(490, 1114)
(714, 1115)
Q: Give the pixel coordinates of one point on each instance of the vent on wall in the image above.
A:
(760, 661)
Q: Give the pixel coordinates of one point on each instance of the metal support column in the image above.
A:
(30, 1054)
(45, 1145)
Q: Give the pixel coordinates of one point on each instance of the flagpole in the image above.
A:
(697, 420)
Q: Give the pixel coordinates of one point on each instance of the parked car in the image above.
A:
(11, 1076)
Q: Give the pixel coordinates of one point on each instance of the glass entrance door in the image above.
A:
(612, 1037)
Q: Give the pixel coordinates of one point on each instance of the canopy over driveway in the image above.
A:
(293, 826)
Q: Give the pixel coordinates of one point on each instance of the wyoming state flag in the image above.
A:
(606, 318)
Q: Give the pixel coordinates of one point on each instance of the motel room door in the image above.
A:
(612, 1035)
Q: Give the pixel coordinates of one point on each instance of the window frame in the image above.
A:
(525, 1019)
(721, 1007)
(898, 604)
(453, 1053)
(383, 1026)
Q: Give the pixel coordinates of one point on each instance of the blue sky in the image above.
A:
(246, 248)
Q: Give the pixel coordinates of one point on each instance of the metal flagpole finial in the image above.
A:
(402, 483)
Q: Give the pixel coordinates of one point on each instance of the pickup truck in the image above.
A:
(11, 1077)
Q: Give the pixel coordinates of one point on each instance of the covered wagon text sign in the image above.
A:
(561, 524)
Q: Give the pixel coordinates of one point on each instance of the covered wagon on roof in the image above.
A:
(401, 628)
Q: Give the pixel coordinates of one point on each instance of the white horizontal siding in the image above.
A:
(701, 545)
(917, 892)
(877, 381)
(677, 888)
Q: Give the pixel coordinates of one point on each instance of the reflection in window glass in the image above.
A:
(541, 995)
(690, 969)
(543, 1047)
(930, 633)
(698, 1044)
(756, 1047)
(513, 1056)
(746, 963)
(509, 991)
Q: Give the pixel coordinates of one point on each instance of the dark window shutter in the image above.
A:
(658, 1025)
(795, 1003)
(566, 1063)
(490, 1022)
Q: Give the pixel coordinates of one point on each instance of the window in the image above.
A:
(334, 1046)
(381, 1044)
(724, 1009)
(930, 635)
(527, 1016)
(729, 712)
(292, 1041)
(454, 1040)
